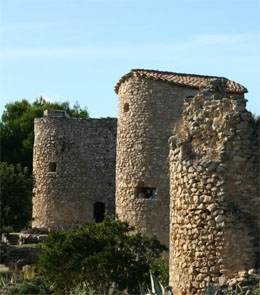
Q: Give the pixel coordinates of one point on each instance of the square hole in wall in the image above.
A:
(52, 167)
(145, 192)
(126, 107)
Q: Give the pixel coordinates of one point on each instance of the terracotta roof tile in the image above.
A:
(183, 80)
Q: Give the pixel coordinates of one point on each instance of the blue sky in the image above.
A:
(77, 50)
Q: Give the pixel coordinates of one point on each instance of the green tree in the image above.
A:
(16, 196)
(99, 256)
(17, 128)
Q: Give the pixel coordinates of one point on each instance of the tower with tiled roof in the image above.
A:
(181, 162)
(149, 104)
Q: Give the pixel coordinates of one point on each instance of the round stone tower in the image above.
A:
(74, 170)
(148, 106)
(214, 208)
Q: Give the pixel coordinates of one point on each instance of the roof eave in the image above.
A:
(140, 73)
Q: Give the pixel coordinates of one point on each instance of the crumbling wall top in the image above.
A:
(56, 113)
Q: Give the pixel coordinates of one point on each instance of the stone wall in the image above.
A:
(147, 110)
(74, 168)
(203, 196)
(214, 210)
(17, 257)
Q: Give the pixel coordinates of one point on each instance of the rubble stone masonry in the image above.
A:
(74, 168)
(147, 110)
(181, 162)
(214, 208)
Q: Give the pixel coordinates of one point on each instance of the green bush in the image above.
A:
(36, 286)
(100, 256)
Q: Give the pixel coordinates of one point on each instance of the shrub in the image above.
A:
(100, 256)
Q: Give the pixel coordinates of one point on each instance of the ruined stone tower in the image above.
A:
(214, 208)
(200, 196)
(74, 169)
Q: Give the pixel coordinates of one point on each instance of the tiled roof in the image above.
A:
(184, 80)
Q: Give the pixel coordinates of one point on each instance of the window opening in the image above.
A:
(145, 192)
(99, 211)
(126, 107)
(52, 167)
(148, 192)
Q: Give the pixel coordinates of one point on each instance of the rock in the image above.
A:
(251, 271)
(222, 280)
(212, 167)
(211, 207)
(220, 218)
(243, 274)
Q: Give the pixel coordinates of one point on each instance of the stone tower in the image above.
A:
(214, 207)
(200, 197)
(74, 169)
(76, 161)
(148, 105)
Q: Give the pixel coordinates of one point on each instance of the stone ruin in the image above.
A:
(199, 192)
(214, 174)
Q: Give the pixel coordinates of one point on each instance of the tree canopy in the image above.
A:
(16, 197)
(101, 256)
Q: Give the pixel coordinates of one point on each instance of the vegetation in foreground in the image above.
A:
(70, 262)
(78, 260)
(93, 258)
(29, 283)
(101, 256)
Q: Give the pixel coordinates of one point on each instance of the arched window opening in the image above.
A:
(126, 107)
(99, 211)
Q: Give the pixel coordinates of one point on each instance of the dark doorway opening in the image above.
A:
(99, 211)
